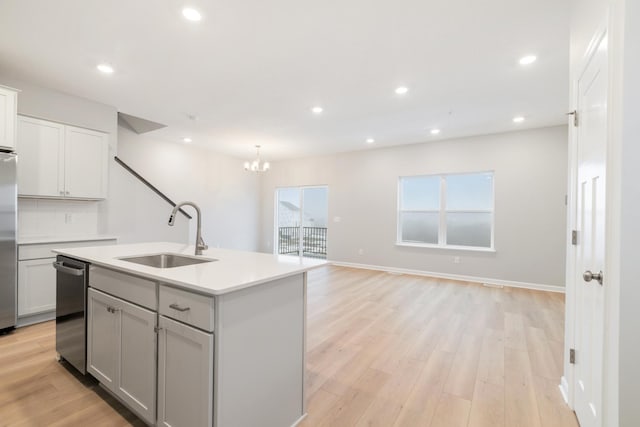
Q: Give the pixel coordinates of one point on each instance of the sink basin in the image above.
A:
(166, 260)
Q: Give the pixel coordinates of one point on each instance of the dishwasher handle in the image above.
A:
(58, 265)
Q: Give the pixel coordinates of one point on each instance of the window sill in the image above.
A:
(450, 248)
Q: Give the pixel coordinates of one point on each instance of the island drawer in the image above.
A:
(187, 307)
(130, 288)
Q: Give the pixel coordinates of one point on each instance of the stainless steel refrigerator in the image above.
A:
(8, 249)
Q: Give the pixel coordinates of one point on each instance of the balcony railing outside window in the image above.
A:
(314, 241)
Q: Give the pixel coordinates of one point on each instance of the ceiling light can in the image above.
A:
(191, 14)
(105, 68)
(527, 60)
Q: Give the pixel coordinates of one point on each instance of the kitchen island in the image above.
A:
(218, 343)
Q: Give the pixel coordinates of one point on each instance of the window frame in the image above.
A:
(443, 211)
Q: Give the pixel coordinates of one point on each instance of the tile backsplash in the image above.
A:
(43, 217)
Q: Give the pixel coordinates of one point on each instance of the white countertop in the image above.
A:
(234, 270)
(34, 240)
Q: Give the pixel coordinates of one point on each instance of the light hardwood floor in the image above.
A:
(383, 350)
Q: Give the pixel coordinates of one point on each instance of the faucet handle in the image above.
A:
(202, 244)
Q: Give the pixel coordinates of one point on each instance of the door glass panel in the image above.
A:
(288, 209)
(302, 221)
(314, 222)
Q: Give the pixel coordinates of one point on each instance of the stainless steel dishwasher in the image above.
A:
(72, 277)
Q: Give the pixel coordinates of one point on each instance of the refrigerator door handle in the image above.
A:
(58, 265)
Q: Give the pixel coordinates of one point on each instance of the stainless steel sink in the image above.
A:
(166, 260)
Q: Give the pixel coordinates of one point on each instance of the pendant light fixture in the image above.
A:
(257, 165)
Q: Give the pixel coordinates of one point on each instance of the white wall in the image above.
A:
(227, 195)
(530, 187)
(136, 214)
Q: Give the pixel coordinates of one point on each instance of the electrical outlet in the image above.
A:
(337, 219)
(456, 260)
(360, 251)
(68, 218)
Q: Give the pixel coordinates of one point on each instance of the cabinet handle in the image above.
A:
(177, 307)
(68, 193)
(112, 309)
(61, 193)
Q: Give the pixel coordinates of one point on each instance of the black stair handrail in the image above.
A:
(148, 184)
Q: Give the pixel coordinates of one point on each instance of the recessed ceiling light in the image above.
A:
(402, 90)
(370, 140)
(529, 59)
(186, 140)
(191, 14)
(105, 68)
(317, 110)
(518, 119)
(435, 131)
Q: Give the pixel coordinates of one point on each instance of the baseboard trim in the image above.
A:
(564, 389)
(299, 420)
(32, 319)
(497, 282)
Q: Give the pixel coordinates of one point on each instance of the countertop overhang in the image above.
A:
(233, 270)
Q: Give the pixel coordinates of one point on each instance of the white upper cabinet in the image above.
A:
(57, 160)
(8, 111)
(41, 158)
(85, 154)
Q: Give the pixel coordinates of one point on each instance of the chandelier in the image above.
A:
(257, 165)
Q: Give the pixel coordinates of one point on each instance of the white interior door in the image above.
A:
(589, 293)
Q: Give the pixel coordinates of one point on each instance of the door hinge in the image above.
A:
(572, 356)
(574, 113)
(574, 237)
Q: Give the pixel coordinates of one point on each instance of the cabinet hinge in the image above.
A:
(574, 113)
(574, 237)
(572, 356)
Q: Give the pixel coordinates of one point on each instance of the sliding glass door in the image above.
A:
(301, 221)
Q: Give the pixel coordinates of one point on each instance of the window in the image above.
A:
(449, 211)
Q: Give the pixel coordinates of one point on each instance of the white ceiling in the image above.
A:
(252, 69)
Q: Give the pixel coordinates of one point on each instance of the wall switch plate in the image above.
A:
(360, 251)
(456, 260)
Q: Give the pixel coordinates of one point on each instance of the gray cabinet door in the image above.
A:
(102, 338)
(137, 360)
(185, 375)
